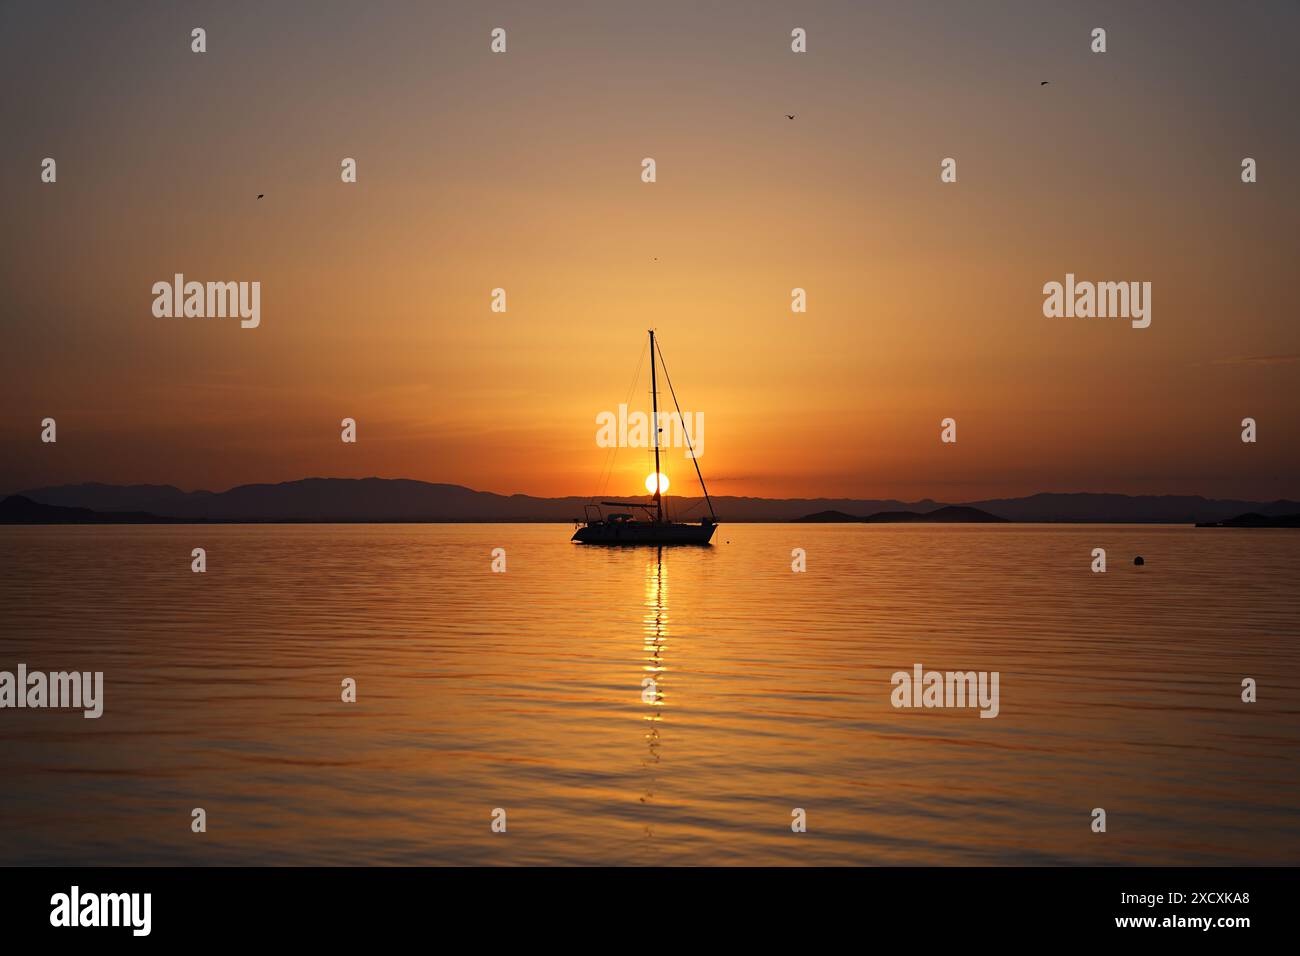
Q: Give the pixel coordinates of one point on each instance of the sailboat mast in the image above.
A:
(690, 446)
(654, 427)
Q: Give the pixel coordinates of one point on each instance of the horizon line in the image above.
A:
(820, 497)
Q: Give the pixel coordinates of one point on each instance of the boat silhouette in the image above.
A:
(624, 527)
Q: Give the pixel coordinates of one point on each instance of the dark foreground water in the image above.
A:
(523, 691)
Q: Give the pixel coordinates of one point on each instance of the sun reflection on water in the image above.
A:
(654, 636)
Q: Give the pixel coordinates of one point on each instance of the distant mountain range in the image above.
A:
(948, 514)
(401, 499)
(19, 510)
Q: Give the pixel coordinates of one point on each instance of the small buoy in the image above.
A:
(1138, 561)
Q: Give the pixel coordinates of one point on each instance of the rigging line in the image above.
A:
(685, 431)
(607, 471)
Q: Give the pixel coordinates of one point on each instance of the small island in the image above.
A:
(1254, 520)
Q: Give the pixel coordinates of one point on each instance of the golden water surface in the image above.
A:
(524, 690)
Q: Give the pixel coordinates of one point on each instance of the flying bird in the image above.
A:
(789, 116)
(260, 195)
(1042, 83)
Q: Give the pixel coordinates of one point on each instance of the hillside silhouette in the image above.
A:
(402, 499)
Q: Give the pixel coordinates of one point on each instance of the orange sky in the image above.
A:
(522, 171)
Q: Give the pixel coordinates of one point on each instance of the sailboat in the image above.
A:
(646, 523)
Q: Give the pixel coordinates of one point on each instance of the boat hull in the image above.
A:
(645, 532)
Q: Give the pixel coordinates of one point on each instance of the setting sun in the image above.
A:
(650, 482)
